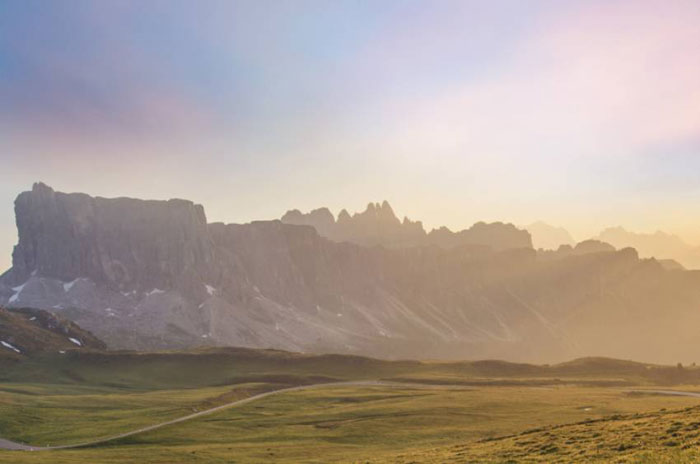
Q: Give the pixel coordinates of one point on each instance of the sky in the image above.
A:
(584, 114)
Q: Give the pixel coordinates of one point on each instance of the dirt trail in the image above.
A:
(10, 445)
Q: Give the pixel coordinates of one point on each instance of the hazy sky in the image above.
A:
(582, 114)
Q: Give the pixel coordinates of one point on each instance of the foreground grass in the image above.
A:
(44, 415)
(657, 437)
(484, 411)
(357, 424)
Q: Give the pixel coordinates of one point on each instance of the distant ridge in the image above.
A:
(660, 245)
(548, 237)
(379, 225)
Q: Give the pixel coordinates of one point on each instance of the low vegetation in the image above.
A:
(664, 436)
(425, 412)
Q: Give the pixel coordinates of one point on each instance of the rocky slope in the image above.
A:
(29, 331)
(142, 274)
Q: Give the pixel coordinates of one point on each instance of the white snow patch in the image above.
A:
(210, 290)
(340, 315)
(205, 336)
(155, 291)
(10, 347)
(17, 291)
(58, 306)
(75, 341)
(62, 352)
(67, 286)
(32, 318)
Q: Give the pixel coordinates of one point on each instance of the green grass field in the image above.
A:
(466, 415)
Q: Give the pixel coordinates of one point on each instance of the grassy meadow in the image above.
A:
(461, 412)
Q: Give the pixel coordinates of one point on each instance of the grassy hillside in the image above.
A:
(224, 366)
(344, 424)
(665, 436)
(483, 411)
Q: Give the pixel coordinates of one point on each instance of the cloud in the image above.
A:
(600, 81)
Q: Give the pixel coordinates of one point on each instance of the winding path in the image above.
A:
(668, 393)
(10, 445)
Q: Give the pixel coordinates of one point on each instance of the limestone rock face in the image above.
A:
(122, 243)
(154, 275)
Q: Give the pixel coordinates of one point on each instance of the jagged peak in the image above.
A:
(41, 187)
(407, 220)
(344, 216)
(378, 223)
(441, 229)
(323, 211)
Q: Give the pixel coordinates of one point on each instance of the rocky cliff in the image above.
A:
(122, 243)
(150, 275)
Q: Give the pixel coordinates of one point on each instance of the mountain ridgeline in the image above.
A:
(378, 225)
(154, 274)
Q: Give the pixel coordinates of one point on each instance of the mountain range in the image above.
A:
(143, 274)
(659, 244)
(669, 248)
(378, 225)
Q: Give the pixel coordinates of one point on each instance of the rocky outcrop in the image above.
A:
(24, 332)
(379, 225)
(122, 243)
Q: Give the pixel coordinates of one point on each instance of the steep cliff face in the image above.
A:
(378, 225)
(122, 243)
(145, 275)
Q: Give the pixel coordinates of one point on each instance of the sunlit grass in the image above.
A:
(332, 424)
